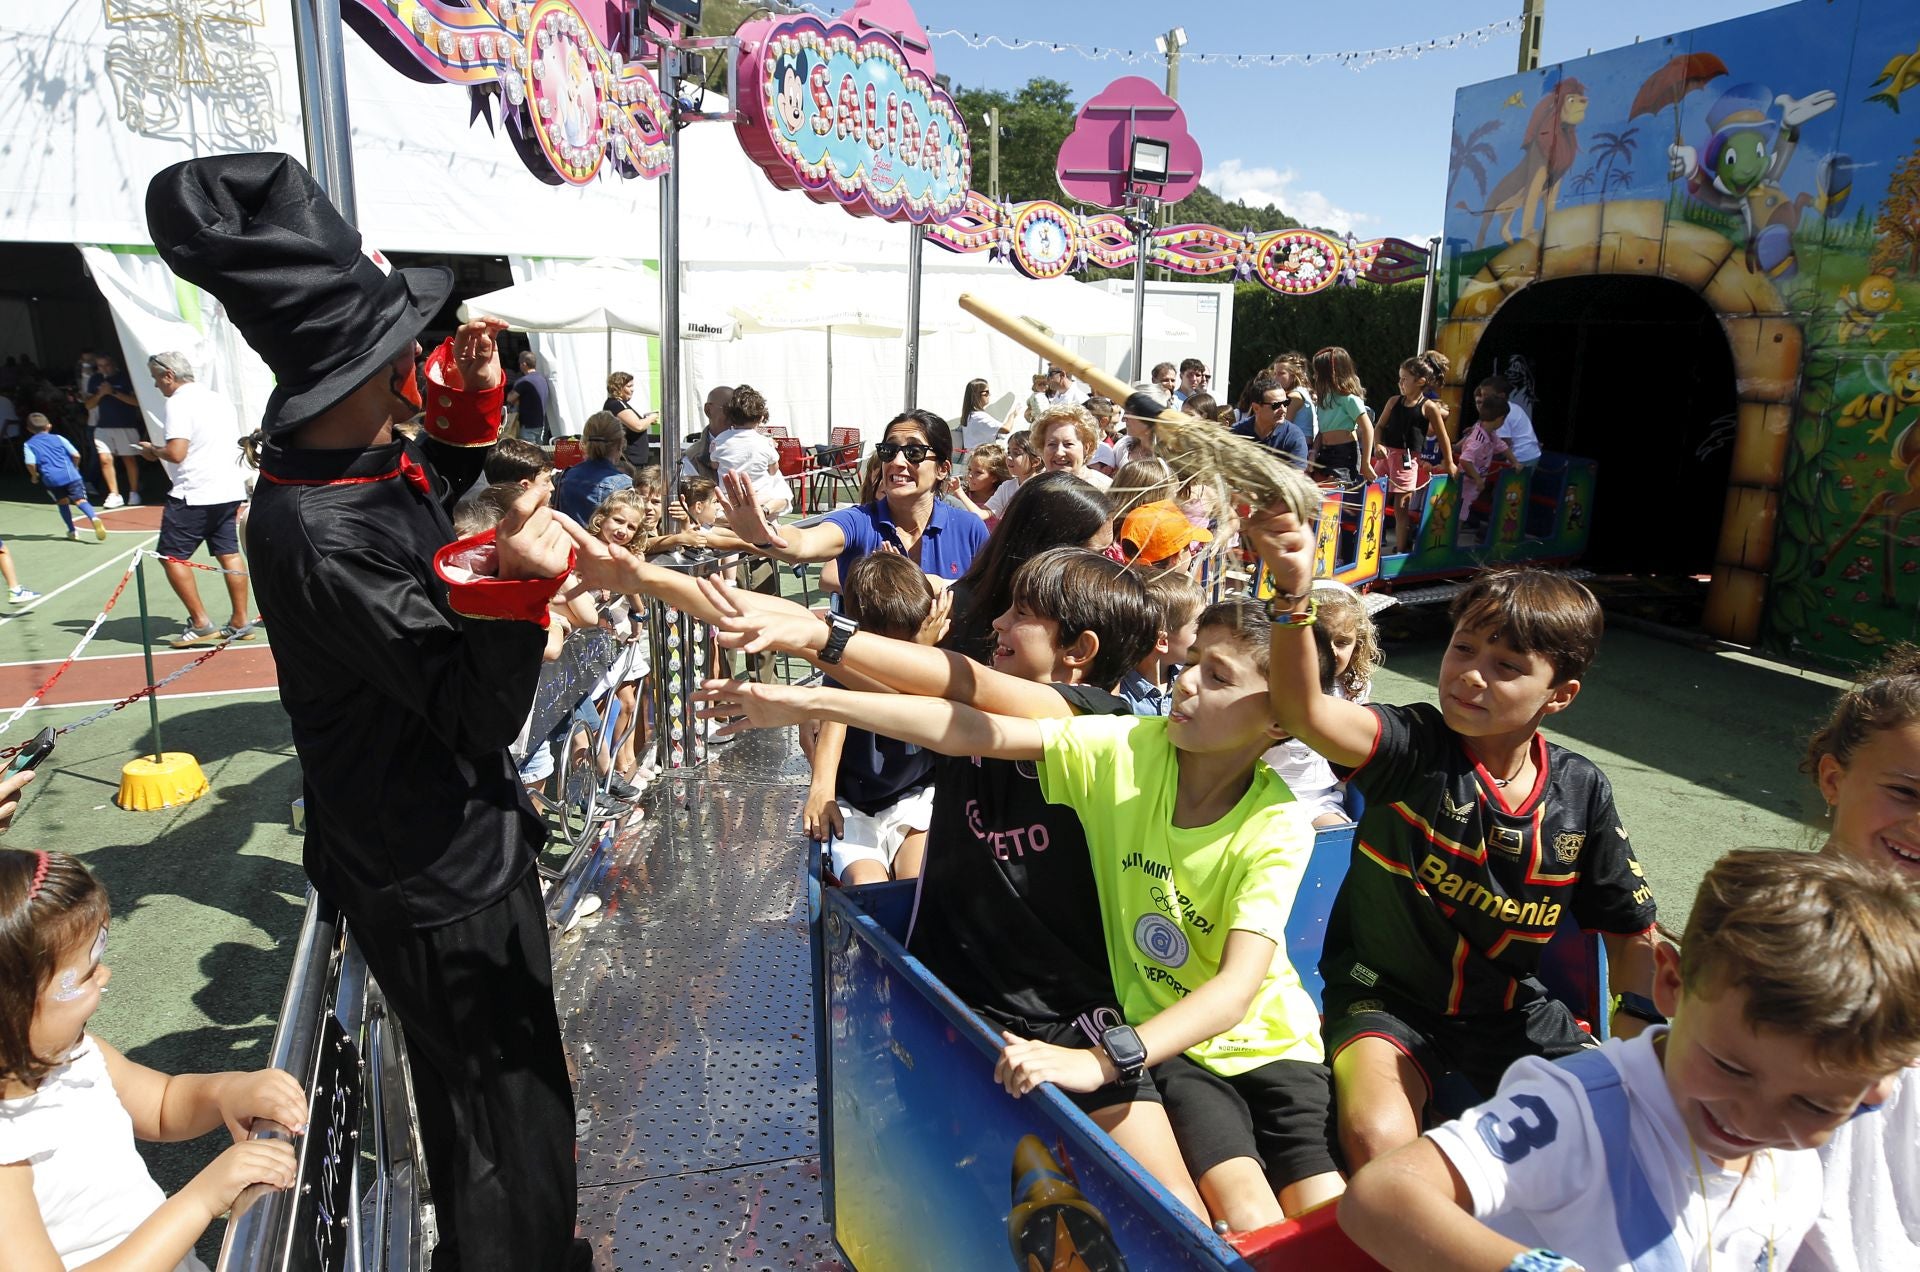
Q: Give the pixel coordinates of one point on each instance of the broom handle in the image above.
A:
(1026, 334)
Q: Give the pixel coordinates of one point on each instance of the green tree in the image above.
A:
(1377, 325)
(1034, 123)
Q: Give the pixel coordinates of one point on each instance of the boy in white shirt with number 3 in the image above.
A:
(1689, 1147)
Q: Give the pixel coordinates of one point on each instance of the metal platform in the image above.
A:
(686, 1004)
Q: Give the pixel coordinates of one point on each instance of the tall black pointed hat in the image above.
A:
(326, 316)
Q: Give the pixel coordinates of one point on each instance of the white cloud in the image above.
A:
(1233, 181)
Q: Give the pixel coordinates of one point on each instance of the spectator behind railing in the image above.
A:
(629, 519)
(73, 1189)
(586, 485)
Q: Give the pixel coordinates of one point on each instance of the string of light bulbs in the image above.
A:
(1352, 59)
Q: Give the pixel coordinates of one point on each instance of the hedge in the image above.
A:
(1376, 324)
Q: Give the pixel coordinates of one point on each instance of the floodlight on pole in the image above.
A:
(1149, 161)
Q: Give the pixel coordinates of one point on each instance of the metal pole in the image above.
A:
(1428, 294)
(146, 650)
(668, 186)
(1142, 223)
(1533, 15)
(992, 119)
(916, 241)
(1173, 64)
(320, 48)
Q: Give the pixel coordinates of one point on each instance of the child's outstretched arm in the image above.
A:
(167, 1235)
(951, 728)
(169, 1108)
(1409, 1210)
(753, 623)
(1342, 731)
(822, 812)
(1209, 1011)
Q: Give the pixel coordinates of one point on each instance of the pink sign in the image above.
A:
(846, 109)
(572, 105)
(1093, 163)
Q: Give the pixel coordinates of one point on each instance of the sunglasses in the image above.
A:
(914, 451)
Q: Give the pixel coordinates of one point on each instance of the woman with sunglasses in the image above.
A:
(900, 510)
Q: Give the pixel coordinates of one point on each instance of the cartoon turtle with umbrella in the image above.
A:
(1740, 167)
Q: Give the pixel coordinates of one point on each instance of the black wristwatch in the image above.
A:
(843, 630)
(1640, 1007)
(1128, 1053)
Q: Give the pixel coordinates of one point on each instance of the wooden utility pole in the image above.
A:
(1532, 15)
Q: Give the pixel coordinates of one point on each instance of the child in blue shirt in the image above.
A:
(53, 462)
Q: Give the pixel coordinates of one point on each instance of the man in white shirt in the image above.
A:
(1504, 417)
(696, 460)
(203, 459)
(1062, 390)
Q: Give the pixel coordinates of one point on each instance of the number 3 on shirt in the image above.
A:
(1514, 1138)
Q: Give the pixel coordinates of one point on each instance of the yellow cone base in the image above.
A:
(147, 784)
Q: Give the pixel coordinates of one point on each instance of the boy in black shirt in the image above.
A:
(1478, 837)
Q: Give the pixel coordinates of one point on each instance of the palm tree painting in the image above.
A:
(1472, 154)
(1612, 161)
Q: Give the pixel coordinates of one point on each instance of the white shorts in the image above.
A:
(877, 836)
(119, 441)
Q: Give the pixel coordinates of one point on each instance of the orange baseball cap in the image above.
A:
(1160, 530)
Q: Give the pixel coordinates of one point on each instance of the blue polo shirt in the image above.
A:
(1285, 438)
(953, 536)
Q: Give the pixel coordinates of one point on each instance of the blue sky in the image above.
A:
(1366, 149)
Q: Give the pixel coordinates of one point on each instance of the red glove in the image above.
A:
(459, 417)
(468, 567)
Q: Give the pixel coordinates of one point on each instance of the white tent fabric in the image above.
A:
(434, 174)
(154, 312)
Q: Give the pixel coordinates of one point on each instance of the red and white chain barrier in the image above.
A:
(93, 629)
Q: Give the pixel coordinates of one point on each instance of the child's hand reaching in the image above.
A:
(1026, 1063)
(822, 816)
(753, 622)
(744, 514)
(747, 704)
(265, 1093)
(1286, 544)
(272, 1162)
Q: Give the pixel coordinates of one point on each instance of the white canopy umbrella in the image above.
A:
(838, 299)
(1063, 306)
(604, 294)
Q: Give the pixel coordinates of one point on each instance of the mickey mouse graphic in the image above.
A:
(790, 92)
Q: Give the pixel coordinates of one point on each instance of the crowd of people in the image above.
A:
(1104, 770)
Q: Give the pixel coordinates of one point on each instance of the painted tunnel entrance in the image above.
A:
(1635, 373)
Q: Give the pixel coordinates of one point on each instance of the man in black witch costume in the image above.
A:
(402, 706)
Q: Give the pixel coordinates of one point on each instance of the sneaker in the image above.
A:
(113, 501)
(134, 500)
(195, 636)
(620, 788)
(21, 595)
(230, 633)
(99, 529)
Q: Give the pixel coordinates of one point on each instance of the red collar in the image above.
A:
(408, 467)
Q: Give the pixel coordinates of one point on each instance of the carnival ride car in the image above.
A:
(926, 1161)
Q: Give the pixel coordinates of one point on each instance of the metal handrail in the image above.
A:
(260, 1229)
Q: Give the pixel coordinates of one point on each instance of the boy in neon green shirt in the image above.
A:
(1197, 849)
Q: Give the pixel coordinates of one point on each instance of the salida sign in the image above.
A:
(847, 111)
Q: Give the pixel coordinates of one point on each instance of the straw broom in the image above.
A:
(1193, 448)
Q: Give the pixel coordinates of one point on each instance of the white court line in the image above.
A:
(169, 696)
(31, 606)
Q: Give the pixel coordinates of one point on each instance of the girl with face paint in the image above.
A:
(72, 1186)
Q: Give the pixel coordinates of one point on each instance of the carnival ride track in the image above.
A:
(686, 1004)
